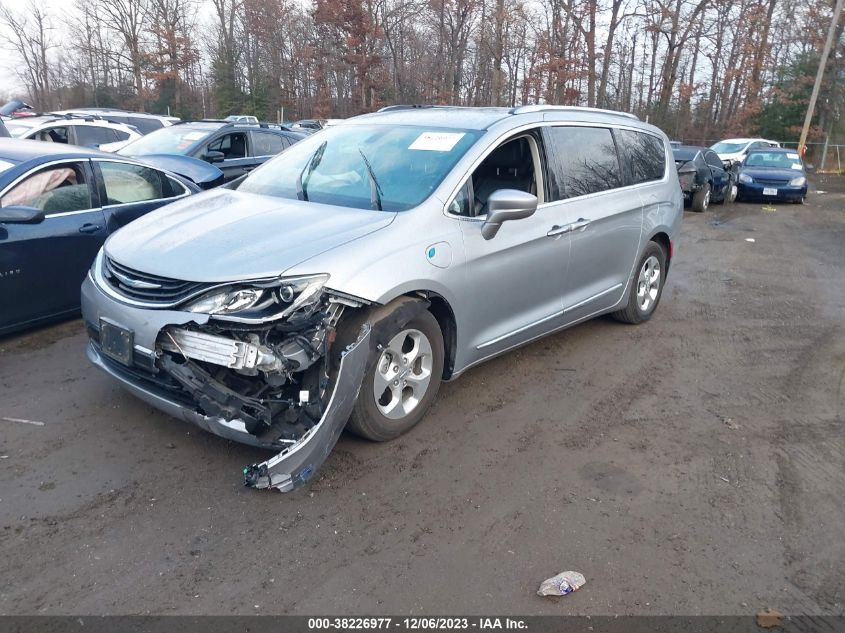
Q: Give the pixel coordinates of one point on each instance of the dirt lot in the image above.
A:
(695, 464)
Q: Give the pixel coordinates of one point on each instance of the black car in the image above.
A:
(236, 148)
(703, 176)
(58, 204)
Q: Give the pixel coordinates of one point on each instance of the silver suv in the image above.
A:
(338, 284)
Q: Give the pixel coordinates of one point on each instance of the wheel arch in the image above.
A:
(441, 309)
(662, 238)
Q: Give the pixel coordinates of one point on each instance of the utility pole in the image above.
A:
(837, 12)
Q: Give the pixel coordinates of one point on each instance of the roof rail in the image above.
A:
(526, 109)
(238, 124)
(409, 106)
(85, 116)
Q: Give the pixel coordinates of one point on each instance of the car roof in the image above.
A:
(436, 116)
(21, 150)
(776, 150)
(688, 152)
(483, 118)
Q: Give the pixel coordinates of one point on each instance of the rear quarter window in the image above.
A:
(646, 155)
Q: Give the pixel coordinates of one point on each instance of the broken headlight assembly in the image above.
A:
(262, 301)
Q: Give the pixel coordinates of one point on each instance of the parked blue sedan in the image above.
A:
(58, 204)
(772, 174)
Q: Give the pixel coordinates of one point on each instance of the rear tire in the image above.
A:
(646, 286)
(406, 374)
(701, 199)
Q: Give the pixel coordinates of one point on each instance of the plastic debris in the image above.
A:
(562, 584)
(750, 239)
(769, 618)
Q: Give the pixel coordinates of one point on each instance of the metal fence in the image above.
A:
(824, 157)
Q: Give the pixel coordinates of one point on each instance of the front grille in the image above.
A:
(770, 181)
(148, 288)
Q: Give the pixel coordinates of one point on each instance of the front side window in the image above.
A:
(56, 189)
(53, 134)
(231, 145)
(585, 160)
(364, 166)
(646, 155)
(127, 183)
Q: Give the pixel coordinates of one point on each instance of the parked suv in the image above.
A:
(87, 131)
(343, 280)
(236, 148)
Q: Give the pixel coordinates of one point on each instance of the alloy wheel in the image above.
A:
(403, 374)
(648, 283)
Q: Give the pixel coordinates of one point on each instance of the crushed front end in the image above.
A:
(275, 363)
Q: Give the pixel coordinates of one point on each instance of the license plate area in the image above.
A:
(768, 191)
(116, 342)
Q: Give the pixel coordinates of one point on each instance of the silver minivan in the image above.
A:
(339, 283)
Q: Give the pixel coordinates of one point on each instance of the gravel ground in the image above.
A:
(691, 465)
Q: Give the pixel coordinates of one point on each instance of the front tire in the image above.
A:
(402, 382)
(701, 199)
(647, 286)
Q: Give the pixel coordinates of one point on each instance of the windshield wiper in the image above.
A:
(305, 174)
(375, 189)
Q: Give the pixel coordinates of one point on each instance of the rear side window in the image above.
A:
(88, 135)
(713, 160)
(646, 155)
(585, 161)
(268, 144)
(145, 125)
(127, 183)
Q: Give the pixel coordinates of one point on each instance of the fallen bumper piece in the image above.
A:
(295, 465)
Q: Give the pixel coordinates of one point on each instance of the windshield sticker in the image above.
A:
(792, 155)
(194, 136)
(436, 141)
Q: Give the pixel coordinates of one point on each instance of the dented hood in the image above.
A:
(226, 235)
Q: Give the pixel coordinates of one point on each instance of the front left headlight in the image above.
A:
(257, 302)
(800, 181)
(745, 178)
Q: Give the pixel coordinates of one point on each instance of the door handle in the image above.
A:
(89, 228)
(559, 230)
(579, 224)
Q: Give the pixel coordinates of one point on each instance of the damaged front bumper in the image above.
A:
(299, 457)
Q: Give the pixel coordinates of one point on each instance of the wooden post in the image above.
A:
(815, 95)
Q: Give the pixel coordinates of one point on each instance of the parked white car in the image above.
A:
(735, 149)
(87, 131)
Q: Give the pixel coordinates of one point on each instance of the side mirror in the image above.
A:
(504, 205)
(18, 214)
(214, 157)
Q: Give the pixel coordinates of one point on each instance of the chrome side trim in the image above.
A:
(68, 213)
(593, 298)
(550, 123)
(518, 330)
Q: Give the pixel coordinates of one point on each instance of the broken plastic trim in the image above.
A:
(295, 465)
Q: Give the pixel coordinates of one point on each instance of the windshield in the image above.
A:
(775, 160)
(17, 129)
(728, 148)
(177, 139)
(364, 166)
